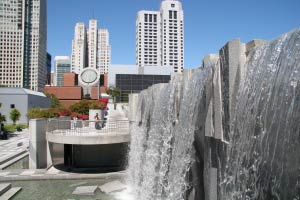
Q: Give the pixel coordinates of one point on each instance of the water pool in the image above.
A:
(60, 189)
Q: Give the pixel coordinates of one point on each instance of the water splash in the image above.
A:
(162, 138)
(264, 155)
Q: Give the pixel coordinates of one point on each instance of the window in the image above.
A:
(173, 5)
(12, 106)
(170, 14)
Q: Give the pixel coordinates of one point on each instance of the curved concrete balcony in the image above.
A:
(87, 132)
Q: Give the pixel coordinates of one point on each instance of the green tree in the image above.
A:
(14, 115)
(55, 103)
(114, 92)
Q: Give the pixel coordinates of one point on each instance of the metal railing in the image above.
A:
(87, 127)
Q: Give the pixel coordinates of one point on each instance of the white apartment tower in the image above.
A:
(78, 58)
(23, 38)
(160, 36)
(90, 48)
(92, 33)
(103, 59)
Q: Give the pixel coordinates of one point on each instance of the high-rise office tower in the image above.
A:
(78, 58)
(62, 64)
(23, 38)
(160, 36)
(103, 59)
(90, 48)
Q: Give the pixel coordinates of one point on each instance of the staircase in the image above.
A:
(7, 192)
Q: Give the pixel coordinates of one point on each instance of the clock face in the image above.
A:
(89, 76)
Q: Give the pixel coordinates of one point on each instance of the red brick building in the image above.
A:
(71, 93)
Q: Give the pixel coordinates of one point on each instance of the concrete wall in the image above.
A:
(43, 154)
(37, 144)
(56, 153)
(133, 101)
(38, 102)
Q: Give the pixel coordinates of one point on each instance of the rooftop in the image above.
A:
(18, 91)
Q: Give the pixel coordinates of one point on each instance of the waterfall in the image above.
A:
(162, 137)
(264, 155)
(229, 130)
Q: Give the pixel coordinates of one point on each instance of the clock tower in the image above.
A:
(87, 78)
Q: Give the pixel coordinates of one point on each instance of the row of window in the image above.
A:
(150, 18)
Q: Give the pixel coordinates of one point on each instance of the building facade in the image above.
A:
(135, 83)
(133, 79)
(23, 38)
(135, 69)
(90, 48)
(78, 57)
(62, 65)
(160, 36)
(22, 100)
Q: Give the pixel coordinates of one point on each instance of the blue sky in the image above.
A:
(209, 24)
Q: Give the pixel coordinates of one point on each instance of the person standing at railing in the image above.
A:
(97, 124)
(74, 122)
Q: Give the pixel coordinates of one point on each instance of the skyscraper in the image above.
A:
(62, 64)
(90, 48)
(23, 38)
(160, 36)
(78, 58)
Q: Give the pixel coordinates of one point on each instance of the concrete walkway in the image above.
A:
(52, 174)
(17, 144)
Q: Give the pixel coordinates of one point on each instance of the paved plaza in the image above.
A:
(16, 145)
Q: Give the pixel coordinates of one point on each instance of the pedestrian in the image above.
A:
(75, 122)
(97, 124)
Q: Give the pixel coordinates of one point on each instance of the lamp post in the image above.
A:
(99, 86)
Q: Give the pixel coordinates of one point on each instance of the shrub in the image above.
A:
(64, 112)
(35, 113)
(11, 128)
(84, 106)
(14, 115)
(2, 118)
